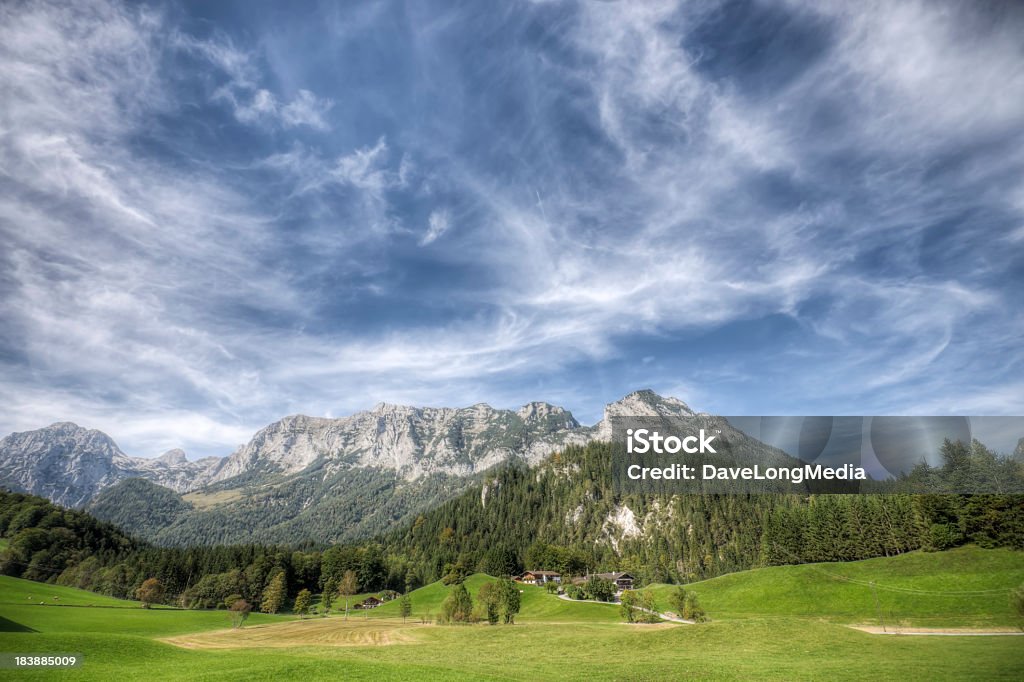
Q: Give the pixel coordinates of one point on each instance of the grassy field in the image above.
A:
(964, 587)
(208, 500)
(771, 630)
(14, 591)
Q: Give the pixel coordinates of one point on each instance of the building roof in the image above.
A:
(611, 576)
(550, 573)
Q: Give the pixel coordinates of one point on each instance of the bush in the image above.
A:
(649, 610)
(239, 612)
(677, 600)
(627, 606)
(600, 589)
(692, 610)
(574, 592)
(943, 536)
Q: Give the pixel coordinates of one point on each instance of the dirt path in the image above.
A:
(936, 632)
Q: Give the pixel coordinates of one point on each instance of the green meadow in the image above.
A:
(776, 623)
(963, 587)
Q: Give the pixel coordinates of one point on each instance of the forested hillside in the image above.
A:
(561, 515)
(313, 506)
(569, 504)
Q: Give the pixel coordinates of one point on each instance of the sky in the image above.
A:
(213, 215)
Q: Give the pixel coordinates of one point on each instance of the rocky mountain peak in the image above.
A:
(642, 403)
(537, 412)
(647, 403)
(173, 457)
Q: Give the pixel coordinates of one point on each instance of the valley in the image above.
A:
(764, 624)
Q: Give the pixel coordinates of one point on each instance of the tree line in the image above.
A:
(561, 515)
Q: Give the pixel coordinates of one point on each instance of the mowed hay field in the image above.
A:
(553, 639)
(308, 632)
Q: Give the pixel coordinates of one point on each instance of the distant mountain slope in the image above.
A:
(300, 477)
(69, 465)
(140, 507)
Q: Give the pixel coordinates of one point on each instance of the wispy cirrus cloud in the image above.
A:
(243, 91)
(799, 207)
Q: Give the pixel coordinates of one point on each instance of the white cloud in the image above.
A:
(306, 109)
(437, 224)
(251, 103)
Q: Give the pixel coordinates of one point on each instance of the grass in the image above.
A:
(27, 592)
(78, 611)
(208, 500)
(426, 601)
(767, 625)
(917, 588)
(754, 649)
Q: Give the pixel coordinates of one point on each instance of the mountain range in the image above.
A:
(301, 477)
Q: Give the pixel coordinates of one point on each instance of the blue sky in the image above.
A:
(215, 214)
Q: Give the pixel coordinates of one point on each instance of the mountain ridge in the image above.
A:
(73, 465)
